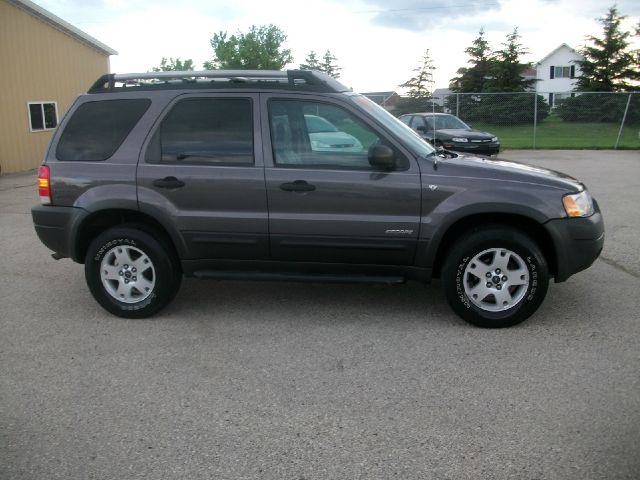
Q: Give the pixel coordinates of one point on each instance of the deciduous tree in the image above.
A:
(174, 64)
(261, 48)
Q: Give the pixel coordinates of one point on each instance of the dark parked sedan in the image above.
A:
(448, 131)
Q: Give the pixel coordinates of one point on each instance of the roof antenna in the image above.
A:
(433, 117)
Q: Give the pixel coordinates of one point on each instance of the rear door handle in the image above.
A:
(298, 186)
(168, 182)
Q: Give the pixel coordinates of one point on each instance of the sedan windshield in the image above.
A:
(446, 122)
(408, 136)
(317, 124)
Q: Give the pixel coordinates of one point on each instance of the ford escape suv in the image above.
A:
(290, 175)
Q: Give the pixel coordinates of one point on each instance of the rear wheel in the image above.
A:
(495, 277)
(130, 273)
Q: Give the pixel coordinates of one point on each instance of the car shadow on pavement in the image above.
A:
(311, 302)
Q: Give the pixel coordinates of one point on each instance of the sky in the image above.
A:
(377, 42)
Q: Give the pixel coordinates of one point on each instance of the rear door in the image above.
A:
(326, 202)
(202, 170)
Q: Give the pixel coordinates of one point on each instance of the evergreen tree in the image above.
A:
(311, 62)
(472, 79)
(505, 72)
(609, 64)
(329, 66)
(421, 84)
(420, 89)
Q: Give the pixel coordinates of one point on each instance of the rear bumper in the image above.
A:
(57, 226)
(578, 242)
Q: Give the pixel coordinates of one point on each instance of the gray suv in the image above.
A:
(220, 175)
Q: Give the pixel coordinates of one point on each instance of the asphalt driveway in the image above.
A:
(296, 381)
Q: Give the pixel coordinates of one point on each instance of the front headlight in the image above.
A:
(578, 204)
(459, 139)
(494, 139)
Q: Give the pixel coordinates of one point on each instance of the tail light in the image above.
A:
(44, 185)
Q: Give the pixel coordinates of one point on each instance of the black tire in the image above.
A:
(164, 270)
(503, 239)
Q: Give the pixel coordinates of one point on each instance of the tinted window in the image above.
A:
(97, 129)
(319, 135)
(207, 131)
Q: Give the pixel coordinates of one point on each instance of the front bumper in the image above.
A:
(480, 148)
(578, 242)
(57, 226)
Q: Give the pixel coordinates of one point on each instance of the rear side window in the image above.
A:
(205, 131)
(97, 129)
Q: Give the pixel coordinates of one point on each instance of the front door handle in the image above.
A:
(298, 186)
(168, 182)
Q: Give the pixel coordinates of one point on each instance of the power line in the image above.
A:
(415, 9)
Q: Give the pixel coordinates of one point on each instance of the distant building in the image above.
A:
(45, 63)
(387, 100)
(440, 95)
(557, 73)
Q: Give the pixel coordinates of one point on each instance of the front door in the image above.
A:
(326, 202)
(203, 169)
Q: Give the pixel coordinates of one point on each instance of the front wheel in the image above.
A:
(495, 277)
(130, 273)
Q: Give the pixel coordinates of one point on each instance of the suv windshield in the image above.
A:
(409, 137)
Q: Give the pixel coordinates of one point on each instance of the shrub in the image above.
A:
(599, 107)
(501, 109)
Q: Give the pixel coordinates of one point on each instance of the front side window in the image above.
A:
(206, 131)
(42, 116)
(96, 129)
(319, 135)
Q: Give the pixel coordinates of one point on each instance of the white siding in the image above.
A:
(562, 57)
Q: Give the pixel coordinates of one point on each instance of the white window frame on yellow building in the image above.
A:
(44, 121)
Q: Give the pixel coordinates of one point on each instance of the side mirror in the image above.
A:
(382, 157)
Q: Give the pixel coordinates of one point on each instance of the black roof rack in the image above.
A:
(305, 80)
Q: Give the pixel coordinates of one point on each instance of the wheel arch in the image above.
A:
(99, 221)
(437, 252)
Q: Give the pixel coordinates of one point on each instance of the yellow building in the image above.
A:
(45, 63)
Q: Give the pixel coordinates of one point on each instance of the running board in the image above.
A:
(300, 277)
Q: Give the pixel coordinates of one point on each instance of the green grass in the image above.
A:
(553, 133)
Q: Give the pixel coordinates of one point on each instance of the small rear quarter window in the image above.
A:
(97, 129)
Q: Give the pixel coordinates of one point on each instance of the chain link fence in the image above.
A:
(568, 120)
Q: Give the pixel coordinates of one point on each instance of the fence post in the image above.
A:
(457, 104)
(624, 117)
(535, 117)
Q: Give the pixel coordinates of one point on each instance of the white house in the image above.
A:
(557, 72)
